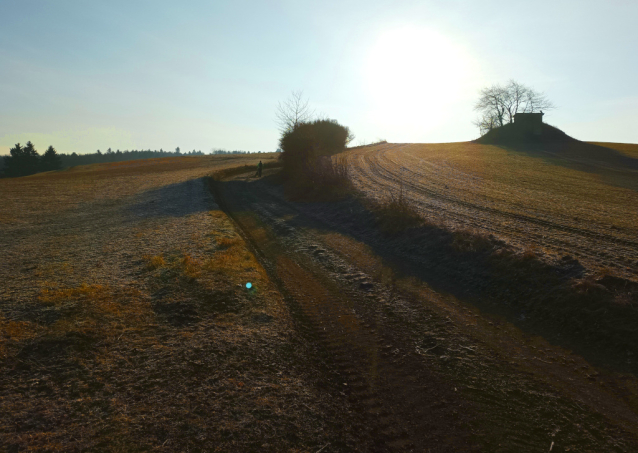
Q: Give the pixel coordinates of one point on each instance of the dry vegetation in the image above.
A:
(348, 281)
(395, 213)
(556, 201)
(125, 323)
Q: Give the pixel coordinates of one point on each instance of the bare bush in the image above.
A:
(396, 213)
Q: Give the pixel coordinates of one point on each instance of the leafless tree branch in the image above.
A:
(498, 104)
(293, 111)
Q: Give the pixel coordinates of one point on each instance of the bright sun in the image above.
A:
(413, 75)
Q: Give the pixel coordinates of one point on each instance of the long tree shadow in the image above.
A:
(539, 298)
(173, 200)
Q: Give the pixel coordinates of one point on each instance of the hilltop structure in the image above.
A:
(526, 128)
(529, 123)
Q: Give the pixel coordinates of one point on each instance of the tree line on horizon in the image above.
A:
(25, 160)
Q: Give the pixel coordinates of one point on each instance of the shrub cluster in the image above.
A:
(306, 155)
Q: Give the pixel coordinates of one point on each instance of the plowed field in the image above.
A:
(579, 200)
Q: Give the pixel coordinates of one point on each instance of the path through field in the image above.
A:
(423, 370)
(126, 323)
(554, 203)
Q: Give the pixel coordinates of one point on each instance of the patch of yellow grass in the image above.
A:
(191, 267)
(95, 308)
(14, 332)
(154, 262)
(227, 242)
(235, 262)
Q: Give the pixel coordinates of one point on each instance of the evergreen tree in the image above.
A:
(12, 161)
(50, 160)
(32, 159)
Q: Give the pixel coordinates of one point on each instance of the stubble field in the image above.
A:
(125, 323)
(556, 202)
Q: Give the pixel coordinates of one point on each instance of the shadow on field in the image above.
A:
(593, 316)
(612, 166)
(174, 200)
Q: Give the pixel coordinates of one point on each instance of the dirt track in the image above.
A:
(551, 202)
(422, 369)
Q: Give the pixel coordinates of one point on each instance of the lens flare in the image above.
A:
(249, 285)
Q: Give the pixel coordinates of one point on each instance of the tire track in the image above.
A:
(393, 379)
(366, 371)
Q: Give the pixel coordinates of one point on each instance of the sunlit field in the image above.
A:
(126, 322)
(551, 203)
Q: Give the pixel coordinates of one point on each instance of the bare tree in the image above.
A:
(498, 104)
(293, 111)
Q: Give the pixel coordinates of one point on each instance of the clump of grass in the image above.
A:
(396, 213)
(13, 332)
(95, 309)
(233, 262)
(190, 266)
(52, 297)
(154, 262)
(624, 299)
(592, 283)
(530, 252)
(470, 241)
(226, 242)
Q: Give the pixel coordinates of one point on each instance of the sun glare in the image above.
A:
(413, 76)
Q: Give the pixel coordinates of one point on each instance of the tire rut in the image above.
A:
(386, 394)
(400, 381)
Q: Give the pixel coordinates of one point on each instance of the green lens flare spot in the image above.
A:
(249, 285)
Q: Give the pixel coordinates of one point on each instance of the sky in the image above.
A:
(134, 74)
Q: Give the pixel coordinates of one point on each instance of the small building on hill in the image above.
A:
(531, 123)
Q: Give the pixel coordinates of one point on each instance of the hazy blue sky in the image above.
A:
(88, 75)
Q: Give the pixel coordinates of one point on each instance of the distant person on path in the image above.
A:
(259, 167)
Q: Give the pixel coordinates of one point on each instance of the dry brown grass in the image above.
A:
(526, 199)
(154, 262)
(327, 178)
(470, 241)
(396, 213)
(54, 192)
(125, 324)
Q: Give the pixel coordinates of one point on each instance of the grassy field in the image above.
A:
(577, 200)
(126, 324)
